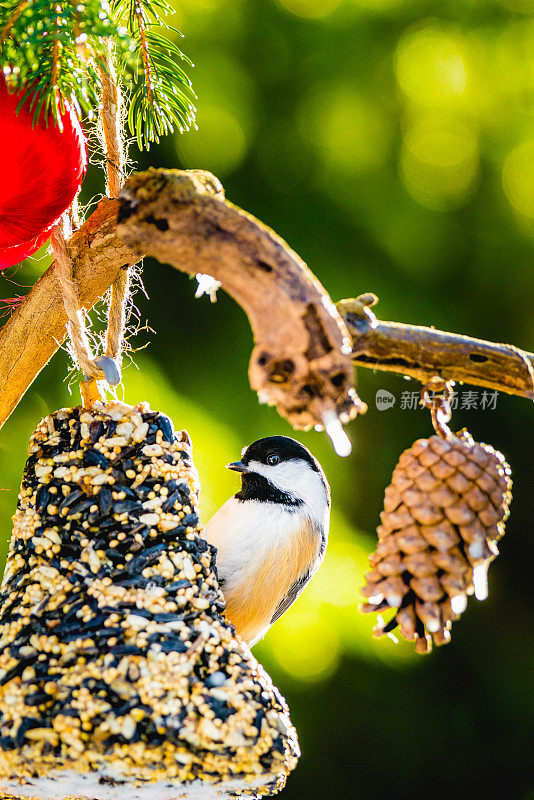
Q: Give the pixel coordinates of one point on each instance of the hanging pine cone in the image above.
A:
(443, 513)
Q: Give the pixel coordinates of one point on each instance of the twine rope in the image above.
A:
(80, 345)
(112, 144)
(110, 120)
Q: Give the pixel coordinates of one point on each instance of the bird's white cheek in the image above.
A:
(299, 480)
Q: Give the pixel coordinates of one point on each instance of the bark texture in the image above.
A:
(423, 353)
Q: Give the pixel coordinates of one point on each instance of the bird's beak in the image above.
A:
(237, 466)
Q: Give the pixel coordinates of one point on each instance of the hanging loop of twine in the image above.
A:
(80, 345)
(105, 367)
(112, 141)
(436, 395)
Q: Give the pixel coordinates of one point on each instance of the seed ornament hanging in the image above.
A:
(444, 512)
(119, 676)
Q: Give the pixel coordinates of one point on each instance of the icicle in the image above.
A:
(459, 603)
(334, 429)
(480, 581)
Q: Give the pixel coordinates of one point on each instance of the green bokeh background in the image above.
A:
(391, 143)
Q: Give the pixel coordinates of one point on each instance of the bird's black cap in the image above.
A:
(284, 447)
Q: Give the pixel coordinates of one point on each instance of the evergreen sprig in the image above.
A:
(162, 95)
(55, 52)
(52, 51)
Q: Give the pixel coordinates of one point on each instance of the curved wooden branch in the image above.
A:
(301, 361)
(423, 353)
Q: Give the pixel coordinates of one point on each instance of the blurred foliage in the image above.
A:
(391, 142)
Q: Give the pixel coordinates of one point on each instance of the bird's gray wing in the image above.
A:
(291, 596)
(298, 586)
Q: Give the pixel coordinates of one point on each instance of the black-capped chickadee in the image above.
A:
(271, 536)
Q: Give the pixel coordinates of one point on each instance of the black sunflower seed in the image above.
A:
(24, 726)
(96, 430)
(37, 699)
(170, 501)
(119, 487)
(174, 534)
(92, 458)
(145, 558)
(164, 616)
(176, 585)
(79, 508)
(126, 650)
(126, 452)
(42, 498)
(172, 645)
(126, 506)
(108, 523)
(70, 499)
(105, 500)
(7, 743)
(165, 426)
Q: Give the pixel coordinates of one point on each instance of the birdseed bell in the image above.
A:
(119, 676)
(443, 514)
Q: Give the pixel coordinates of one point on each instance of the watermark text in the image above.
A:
(466, 400)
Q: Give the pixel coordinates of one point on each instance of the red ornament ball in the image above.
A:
(41, 168)
(17, 253)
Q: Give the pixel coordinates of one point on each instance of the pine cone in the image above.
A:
(443, 514)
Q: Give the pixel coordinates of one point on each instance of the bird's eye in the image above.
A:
(273, 459)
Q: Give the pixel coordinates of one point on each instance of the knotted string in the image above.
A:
(112, 142)
(106, 367)
(80, 344)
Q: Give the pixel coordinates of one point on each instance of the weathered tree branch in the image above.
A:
(301, 360)
(422, 352)
(208, 234)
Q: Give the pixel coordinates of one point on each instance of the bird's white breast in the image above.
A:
(262, 549)
(246, 535)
